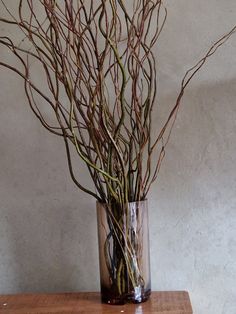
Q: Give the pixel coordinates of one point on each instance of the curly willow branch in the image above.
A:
(100, 84)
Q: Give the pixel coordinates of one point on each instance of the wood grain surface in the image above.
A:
(89, 302)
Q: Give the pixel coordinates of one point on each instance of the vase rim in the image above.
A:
(134, 202)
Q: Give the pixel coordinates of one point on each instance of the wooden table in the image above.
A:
(89, 302)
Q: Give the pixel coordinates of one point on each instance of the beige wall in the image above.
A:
(48, 238)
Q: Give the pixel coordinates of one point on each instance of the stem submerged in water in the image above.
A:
(124, 268)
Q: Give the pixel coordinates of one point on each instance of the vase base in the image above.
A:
(121, 300)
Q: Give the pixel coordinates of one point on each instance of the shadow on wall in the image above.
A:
(203, 138)
(50, 237)
(194, 208)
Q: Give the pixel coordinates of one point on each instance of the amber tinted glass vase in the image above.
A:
(123, 235)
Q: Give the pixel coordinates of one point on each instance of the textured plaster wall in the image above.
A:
(48, 239)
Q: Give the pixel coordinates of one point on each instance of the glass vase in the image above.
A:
(123, 237)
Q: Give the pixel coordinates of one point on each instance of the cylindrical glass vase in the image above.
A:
(123, 236)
